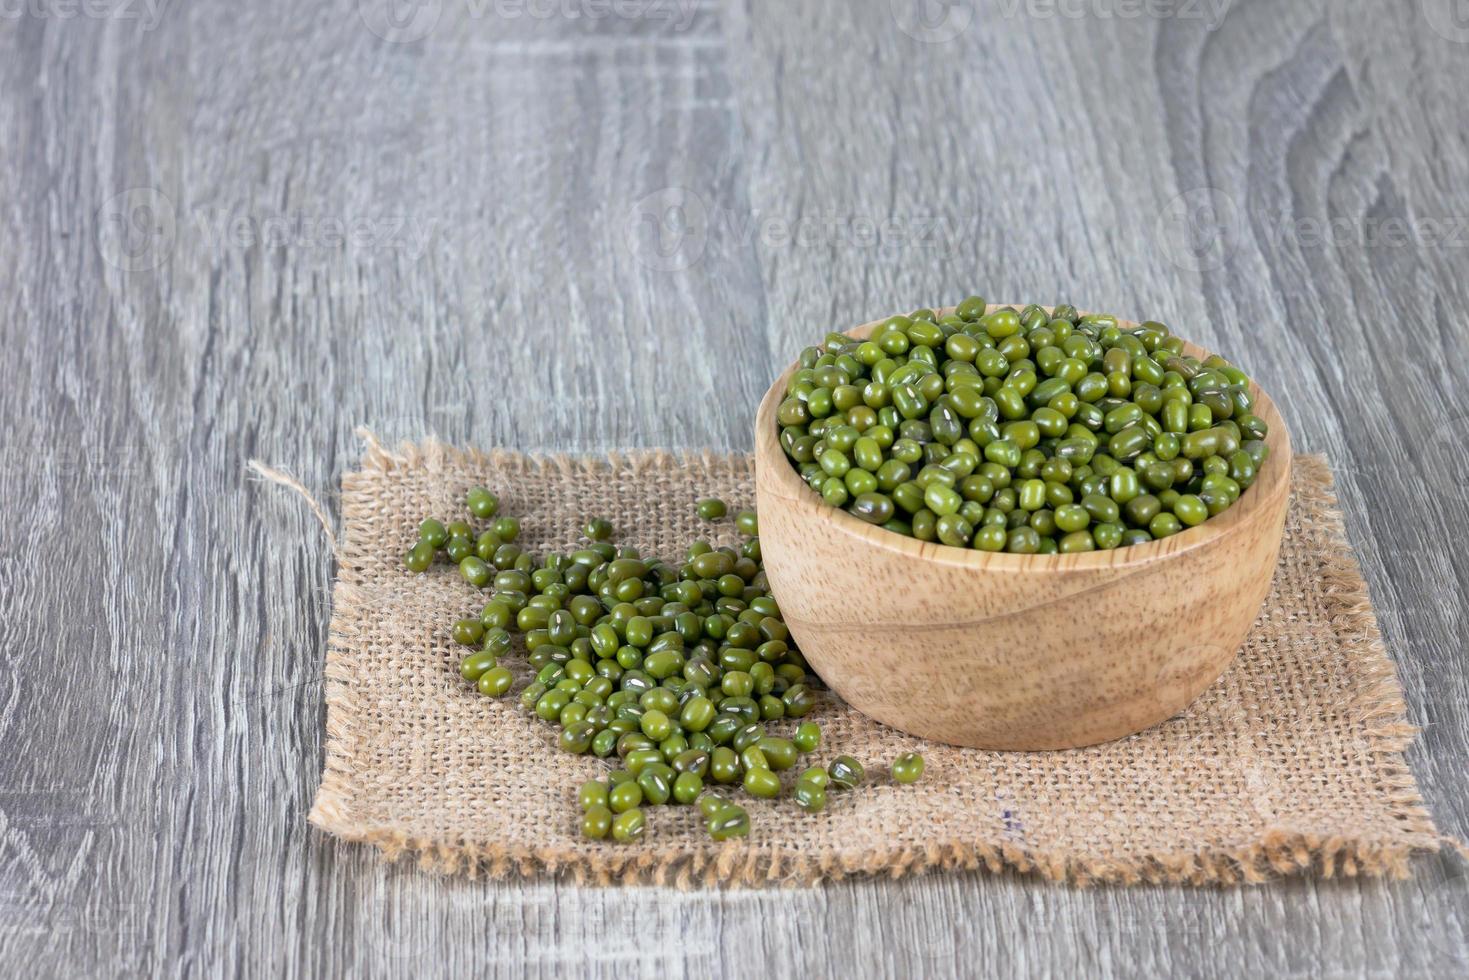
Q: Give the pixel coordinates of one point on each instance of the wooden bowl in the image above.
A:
(1002, 651)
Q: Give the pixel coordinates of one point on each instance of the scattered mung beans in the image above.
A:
(680, 672)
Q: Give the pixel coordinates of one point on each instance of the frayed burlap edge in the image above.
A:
(1378, 706)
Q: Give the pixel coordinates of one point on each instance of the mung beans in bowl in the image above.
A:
(1018, 527)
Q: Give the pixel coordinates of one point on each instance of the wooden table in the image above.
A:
(238, 230)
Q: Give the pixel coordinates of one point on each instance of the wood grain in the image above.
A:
(978, 671)
(578, 233)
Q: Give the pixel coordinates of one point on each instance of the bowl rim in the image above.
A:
(1261, 498)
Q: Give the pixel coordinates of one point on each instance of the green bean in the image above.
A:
(625, 796)
(810, 797)
(687, 787)
(475, 571)
(711, 803)
(592, 793)
(475, 664)
(576, 736)
(781, 753)
(729, 822)
(656, 786)
(724, 765)
(596, 822)
(846, 772)
(761, 782)
(495, 682)
(481, 503)
(807, 737)
(419, 557)
(629, 826)
(908, 767)
(433, 533)
(816, 776)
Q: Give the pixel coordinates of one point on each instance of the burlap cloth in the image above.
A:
(1291, 762)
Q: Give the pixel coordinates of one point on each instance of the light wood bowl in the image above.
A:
(1002, 651)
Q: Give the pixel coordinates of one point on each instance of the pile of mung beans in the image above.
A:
(680, 672)
(1028, 431)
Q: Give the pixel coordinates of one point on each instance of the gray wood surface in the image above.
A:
(237, 230)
